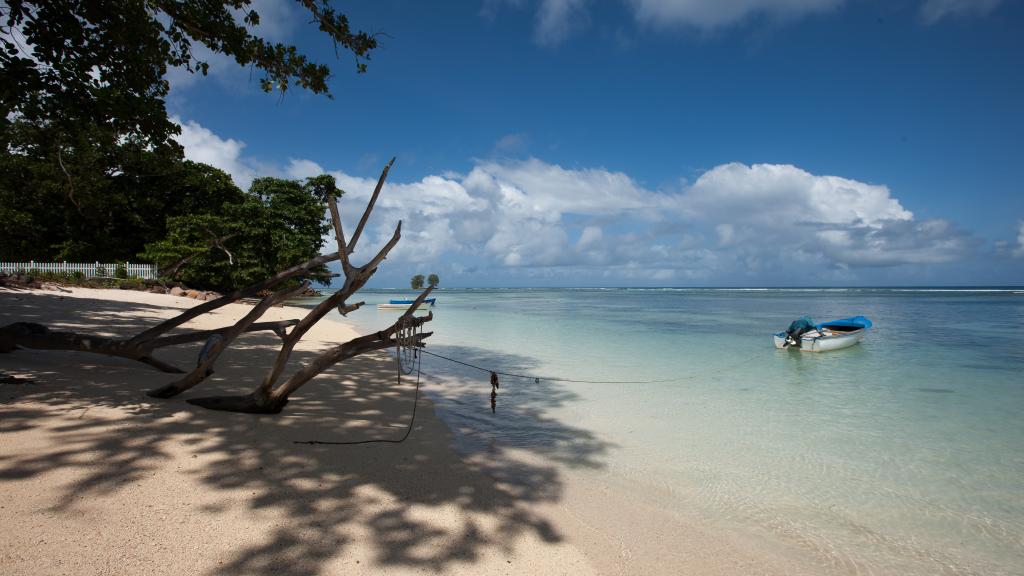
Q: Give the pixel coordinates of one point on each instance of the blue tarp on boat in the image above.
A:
(854, 322)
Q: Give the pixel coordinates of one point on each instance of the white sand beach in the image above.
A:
(98, 478)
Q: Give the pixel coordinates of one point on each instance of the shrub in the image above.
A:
(121, 271)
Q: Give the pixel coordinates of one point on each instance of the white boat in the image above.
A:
(390, 306)
(806, 336)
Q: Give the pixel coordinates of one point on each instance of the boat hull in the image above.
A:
(402, 306)
(828, 336)
(408, 301)
(828, 343)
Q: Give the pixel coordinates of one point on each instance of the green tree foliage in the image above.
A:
(89, 169)
(95, 202)
(75, 64)
(433, 280)
(416, 282)
(277, 224)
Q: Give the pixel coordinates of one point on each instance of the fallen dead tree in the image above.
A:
(271, 394)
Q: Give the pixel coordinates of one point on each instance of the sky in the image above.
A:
(652, 142)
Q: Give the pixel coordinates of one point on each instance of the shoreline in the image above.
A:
(98, 478)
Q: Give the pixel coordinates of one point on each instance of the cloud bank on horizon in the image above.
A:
(540, 222)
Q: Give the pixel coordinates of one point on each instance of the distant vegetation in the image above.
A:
(417, 281)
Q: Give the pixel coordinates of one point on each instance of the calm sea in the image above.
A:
(902, 455)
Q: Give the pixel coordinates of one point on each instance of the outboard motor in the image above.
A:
(798, 328)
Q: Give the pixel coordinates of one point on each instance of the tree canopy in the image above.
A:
(274, 225)
(417, 282)
(433, 280)
(99, 202)
(77, 65)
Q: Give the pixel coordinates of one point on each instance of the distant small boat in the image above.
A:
(408, 301)
(423, 306)
(806, 336)
(404, 303)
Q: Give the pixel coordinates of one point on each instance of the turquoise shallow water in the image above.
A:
(902, 455)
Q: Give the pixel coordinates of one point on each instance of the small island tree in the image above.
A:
(416, 282)
(433, 280)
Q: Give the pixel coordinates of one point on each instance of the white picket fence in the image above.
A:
(89, 270)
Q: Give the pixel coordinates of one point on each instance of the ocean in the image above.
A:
(901, 455)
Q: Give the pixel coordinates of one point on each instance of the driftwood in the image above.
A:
(269, 396)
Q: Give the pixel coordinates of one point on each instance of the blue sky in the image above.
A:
(655, 142)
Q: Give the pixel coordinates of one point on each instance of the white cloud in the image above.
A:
(775, 212)
(546, 221)
(1019, 250)
(300, 169)
(773, 194)
(934, 10)
(202, 145)
(712, 14)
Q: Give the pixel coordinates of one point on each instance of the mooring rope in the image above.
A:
(405, 337)
(408, 348)
(537, 379)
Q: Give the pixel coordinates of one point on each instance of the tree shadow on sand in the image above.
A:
(330, 495)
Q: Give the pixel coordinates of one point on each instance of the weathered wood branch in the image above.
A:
(205, 367)
(350, 308)
(339, 234)
(369, 206)
(248, 291)
(262, 402)
(276, 327)
(39, 337)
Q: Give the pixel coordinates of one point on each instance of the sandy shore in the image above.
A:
(97, 478)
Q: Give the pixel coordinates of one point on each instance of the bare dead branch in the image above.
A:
(369, 207)
(346, 310)
(71, 183)
(332, 206)
(371, 266)
(202, 335)
(248, 291)
(205, 367)
(217, 243)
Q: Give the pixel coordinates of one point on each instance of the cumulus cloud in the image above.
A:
(547, 222)
(769, 194)
(934, 10)
(202, 145)
(712, 14)
(1019, 250)
(772, 213)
